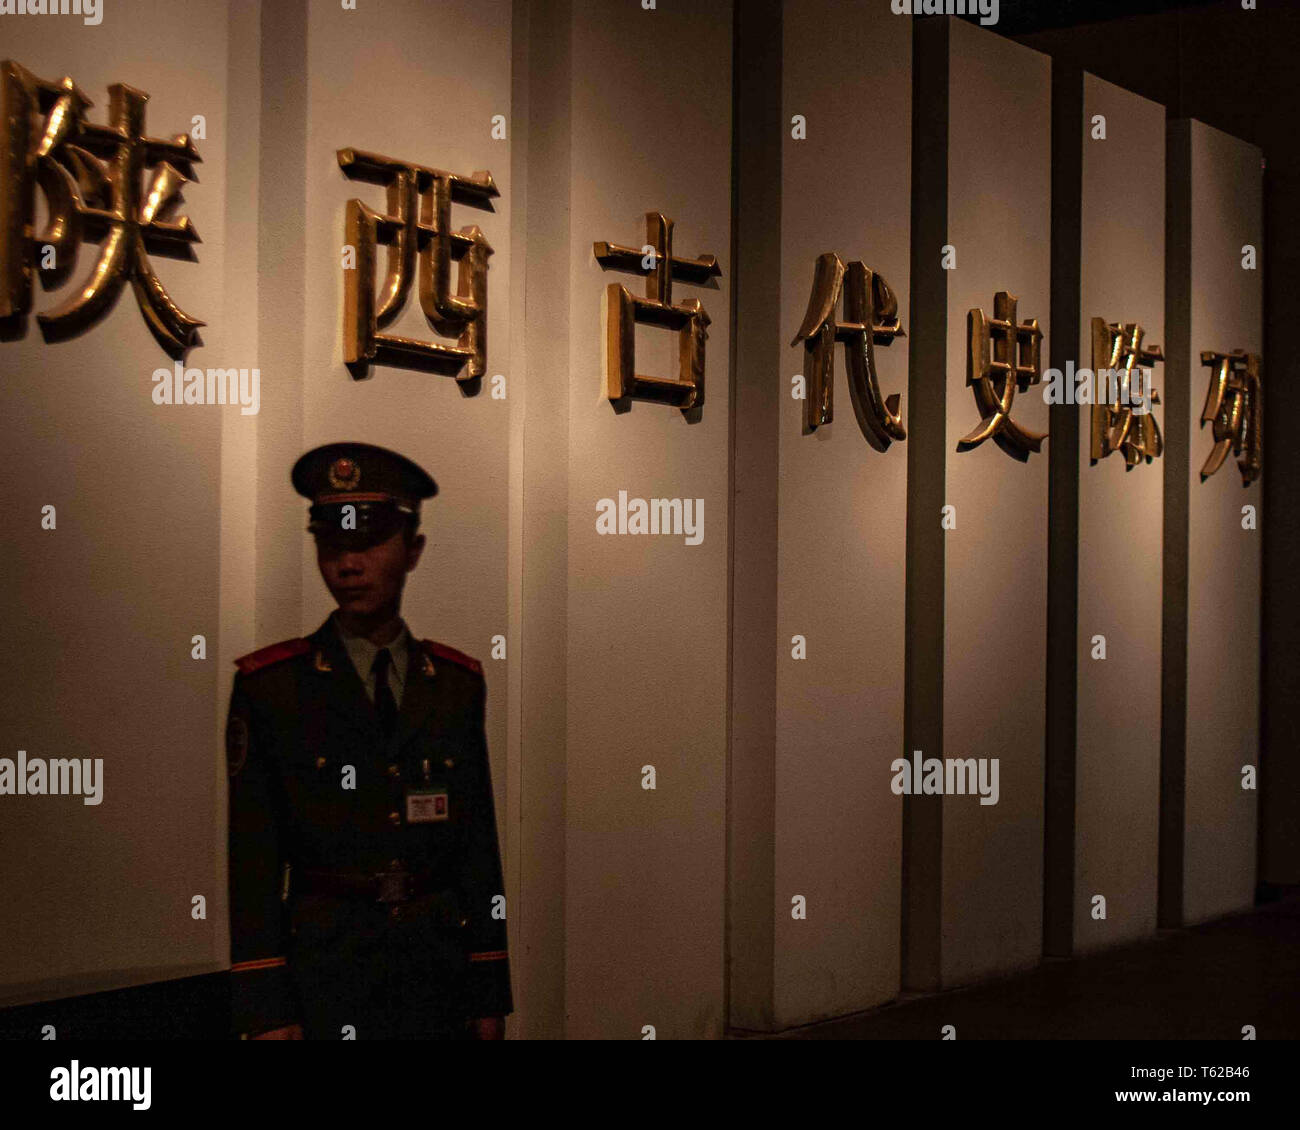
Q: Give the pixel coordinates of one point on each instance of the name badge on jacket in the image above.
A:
(426, 806)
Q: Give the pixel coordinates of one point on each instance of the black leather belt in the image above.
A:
(392, 886)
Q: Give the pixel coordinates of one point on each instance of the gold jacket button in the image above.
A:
(394, 771)
(394, 818)
(448, 762)
(320, 763)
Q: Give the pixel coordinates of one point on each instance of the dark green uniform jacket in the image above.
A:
(414, 961)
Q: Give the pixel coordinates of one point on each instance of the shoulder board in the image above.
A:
(277, 652)
(442, 651)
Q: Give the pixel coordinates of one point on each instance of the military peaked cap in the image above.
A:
(384, 488)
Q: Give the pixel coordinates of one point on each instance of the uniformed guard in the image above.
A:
(366, 896)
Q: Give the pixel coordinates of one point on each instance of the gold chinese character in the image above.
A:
(1117, 351)
(406, 233)
(660, 266)
(871, 313)
(91, 177)
(1235, 405)
(1004, 355)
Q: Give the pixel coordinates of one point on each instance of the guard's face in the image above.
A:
(367, 579)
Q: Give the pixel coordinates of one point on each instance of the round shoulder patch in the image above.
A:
(236, 744)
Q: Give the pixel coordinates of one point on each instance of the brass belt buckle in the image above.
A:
(394, 886)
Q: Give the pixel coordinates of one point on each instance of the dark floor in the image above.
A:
(1199, 983)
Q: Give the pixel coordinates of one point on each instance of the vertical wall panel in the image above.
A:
(99, 612)
(995, 585)
(647, 621)
(1223, 559)
(1120, 526)
(842, 524)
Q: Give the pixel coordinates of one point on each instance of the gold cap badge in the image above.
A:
(344, 474)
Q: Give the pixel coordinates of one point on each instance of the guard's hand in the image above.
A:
(292, 1032)
(488, 1028)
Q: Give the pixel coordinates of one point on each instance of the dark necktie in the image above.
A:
(385, 704)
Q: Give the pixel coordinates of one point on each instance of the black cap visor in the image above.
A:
(374, 522)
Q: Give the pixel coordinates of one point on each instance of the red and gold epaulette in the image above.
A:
(277, 652)
(442, 651)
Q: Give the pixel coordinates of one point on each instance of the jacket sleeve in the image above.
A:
(482, 884)
(260, 994)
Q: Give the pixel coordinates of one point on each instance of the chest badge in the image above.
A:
(426, 806)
